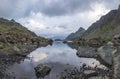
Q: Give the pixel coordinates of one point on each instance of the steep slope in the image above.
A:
(15, 37)
(106, 27)
(76, 34)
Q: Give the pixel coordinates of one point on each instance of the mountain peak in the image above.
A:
(106, 27)
(81, 29)
(76, 34)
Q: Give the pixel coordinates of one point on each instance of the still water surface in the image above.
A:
(59, 56)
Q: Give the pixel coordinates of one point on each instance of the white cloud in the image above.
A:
(35, 24)
(91, 16)
(63, 25)
(37, 57)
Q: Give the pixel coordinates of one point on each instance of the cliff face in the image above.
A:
(76, 34)
(106, 27)
(15, 37)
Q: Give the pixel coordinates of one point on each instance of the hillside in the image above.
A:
(15, 37)
(76, 34)
(106, 27)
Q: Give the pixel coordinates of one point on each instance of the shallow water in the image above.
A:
(59, 56)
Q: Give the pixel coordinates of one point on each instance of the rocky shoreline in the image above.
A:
(9, 59)
(108, 55)
(16, 42)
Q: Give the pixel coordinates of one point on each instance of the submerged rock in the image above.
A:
(42, 70)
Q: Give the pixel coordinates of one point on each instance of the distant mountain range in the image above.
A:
(106, 27)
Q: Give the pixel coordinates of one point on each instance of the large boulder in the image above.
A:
(104, 54)
(42, 70)
(88, 52)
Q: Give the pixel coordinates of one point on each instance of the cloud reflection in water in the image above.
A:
(37, 57)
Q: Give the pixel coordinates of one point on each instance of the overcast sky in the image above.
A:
(56, 18)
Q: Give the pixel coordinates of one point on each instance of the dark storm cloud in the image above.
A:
(22, 8)
(6, 8)
(63, 7)
(15, 8)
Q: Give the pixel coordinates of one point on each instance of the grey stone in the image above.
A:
(42, 70)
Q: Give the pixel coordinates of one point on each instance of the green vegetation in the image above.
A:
(14, 34)
(12, 27)
(1, 46)
(104, 29)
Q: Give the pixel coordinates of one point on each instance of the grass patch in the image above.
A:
(7, 48)
(1, 46)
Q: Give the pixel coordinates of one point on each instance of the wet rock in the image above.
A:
(104, 54)
(42, 70)
(86, 52)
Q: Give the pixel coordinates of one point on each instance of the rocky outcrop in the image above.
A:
(16, 42)
(104, 54)
(16, 39)
(108, 55)
(95, 42)
(85, 72)
(42, 70)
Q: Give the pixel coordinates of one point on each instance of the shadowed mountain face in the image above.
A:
(76, 34)
(106, 27)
